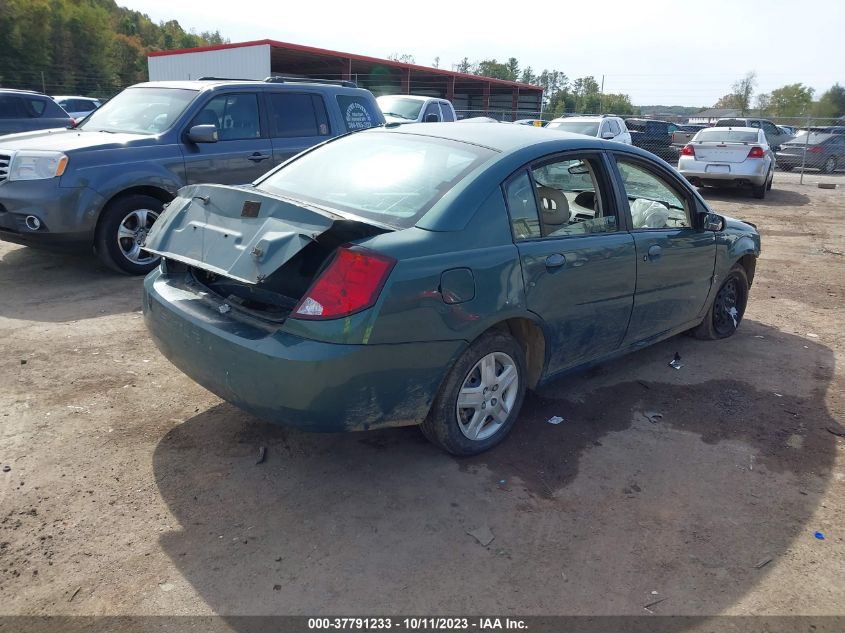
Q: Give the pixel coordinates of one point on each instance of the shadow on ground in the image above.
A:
(56, 287)
(591, 516)
(774, 198)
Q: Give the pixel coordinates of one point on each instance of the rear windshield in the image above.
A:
(726, 136)
(401, 107)
(590, 128)
(391, 178)
(140, 111)
(815, 138)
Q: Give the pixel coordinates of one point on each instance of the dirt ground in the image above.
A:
(131, 490)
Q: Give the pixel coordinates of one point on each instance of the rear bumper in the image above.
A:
(67, 215)
(289, 380)
(746, 173)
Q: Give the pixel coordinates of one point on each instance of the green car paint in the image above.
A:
(458, 273)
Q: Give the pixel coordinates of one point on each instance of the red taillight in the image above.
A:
(351, 283)
(687, 150)
(815, 149)
(756, 152)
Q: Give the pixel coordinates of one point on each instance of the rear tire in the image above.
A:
(759, 192)
(829, 165)
(123, 227)
(490, 378)
(728, 307)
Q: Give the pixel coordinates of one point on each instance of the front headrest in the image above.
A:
(554, 208)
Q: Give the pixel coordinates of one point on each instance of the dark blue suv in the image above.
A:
(103, 184)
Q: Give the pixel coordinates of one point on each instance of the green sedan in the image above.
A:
(430, 274)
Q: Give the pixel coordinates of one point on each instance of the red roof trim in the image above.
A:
(362, 58)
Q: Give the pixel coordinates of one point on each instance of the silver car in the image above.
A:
(725, 156)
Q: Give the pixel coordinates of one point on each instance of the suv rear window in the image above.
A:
(389, 177)
(357, 113)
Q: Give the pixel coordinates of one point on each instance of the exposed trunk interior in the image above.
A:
(278, 293)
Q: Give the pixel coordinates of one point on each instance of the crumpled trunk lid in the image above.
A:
(240, 232)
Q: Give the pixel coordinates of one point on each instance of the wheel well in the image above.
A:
(749, 263)
(531, 337)
(155, 192)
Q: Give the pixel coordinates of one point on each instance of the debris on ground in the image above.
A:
(835, 432)
(23, 361)
(653, 416)
(819, 535)
(675, 363)
(7, 468)
(482, 534)
(827, 185)
(653, 603)
(763, 563)
(555, 419)
(73, 595)
(812, 335)
(262, 455)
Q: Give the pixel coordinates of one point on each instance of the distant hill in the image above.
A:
(675, 109)
(84, 47)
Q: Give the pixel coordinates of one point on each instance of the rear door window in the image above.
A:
(297, 114)
(357, 113)
(10, 107)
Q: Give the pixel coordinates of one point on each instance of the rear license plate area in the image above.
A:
(717, 169)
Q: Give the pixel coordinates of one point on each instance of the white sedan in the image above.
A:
(729, 156)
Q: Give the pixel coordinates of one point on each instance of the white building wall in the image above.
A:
(248, 62)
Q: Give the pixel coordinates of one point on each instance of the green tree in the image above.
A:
(832, 103)
(740, 95)
(791, 100)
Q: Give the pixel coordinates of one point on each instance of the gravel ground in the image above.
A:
(131, 490)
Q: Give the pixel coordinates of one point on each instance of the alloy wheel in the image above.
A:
(132, 232)
(487, 396)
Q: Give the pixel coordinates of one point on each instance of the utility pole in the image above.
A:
(43, 83)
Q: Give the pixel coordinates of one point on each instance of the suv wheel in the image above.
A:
(122, 230)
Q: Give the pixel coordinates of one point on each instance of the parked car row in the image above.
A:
(26, 110)
(376, 275)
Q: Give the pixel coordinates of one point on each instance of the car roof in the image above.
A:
(502, 138)
(29, 93)
(413, 97)
(201, 84)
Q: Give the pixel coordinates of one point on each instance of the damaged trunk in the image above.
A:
(258, 252)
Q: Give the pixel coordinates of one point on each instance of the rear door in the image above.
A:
(578, 261)
(297, 120)
(243, 151)
(675, 261)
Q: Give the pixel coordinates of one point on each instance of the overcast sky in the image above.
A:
(661, 52)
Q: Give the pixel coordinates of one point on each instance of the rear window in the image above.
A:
(10, 107)
(358, 113)
(391, 178)
(726, 136)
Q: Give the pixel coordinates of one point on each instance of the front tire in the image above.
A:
(728, 307)
(480, 398)
(123, 228)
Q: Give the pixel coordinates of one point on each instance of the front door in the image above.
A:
(243, 150)
(578, 262)
(675, 261)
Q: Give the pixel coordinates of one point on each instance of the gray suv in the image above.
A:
(24, 110)
(103, 184)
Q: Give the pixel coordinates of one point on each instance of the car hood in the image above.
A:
(241, 232)
(65, 140)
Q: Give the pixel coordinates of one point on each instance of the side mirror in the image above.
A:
(431, 117)
(607, 135)
(203, 134)
(713, 222)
